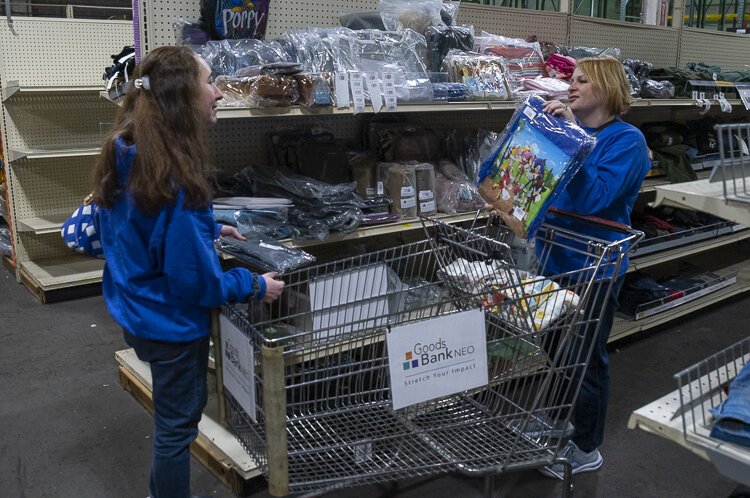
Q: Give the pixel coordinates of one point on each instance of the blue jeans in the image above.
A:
(178, 372)
(732, 422)
(590, 408)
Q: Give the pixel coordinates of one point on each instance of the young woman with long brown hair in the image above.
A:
(162, 275)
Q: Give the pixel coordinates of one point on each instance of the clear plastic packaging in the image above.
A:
(581, 52)
(190, 33)
(363, 172)
(400, 184)
(652, 89)
(361, 20)
(267, 222)
(265, 254)
(425, 176)
(536, 157)
(468, 148)
(485, 76)
(523, 60)
(258, 91)
(635, 85)
(399, 53)
(315, 90)
(455, 196)
(552, 88)
(560, 66)
(6, 246)
(442, 39)
(641, 68)
(226, 57)
(317, 49)
(417, 15)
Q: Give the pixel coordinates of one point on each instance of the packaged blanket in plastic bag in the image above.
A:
(536, 156)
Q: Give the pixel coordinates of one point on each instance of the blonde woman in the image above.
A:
(606, 186)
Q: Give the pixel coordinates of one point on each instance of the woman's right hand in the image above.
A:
(559, 109)
(274, 286)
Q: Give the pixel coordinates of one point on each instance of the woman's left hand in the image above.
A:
(559, 109)
(230, 231)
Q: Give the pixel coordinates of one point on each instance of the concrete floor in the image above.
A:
(67, 430)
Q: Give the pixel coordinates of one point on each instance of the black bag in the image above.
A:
(235, 19)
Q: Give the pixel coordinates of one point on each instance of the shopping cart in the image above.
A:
(326, 404)
(704, 386)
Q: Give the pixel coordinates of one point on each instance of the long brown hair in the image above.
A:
(167, 127)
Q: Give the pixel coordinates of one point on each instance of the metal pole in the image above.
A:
(8, 15)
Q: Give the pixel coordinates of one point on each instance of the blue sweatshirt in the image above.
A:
(606, 186)
(161, 272)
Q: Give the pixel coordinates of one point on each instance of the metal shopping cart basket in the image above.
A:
(702, 387)
(383, 366)
(536, 324)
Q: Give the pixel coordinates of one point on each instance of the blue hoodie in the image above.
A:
(606, 186)
(161, 272)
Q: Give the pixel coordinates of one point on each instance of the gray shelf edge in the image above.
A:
(623, 327)
(657, 258)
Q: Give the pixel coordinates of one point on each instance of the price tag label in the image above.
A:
(358, 92)
(389, 91)
(373, 86)
(341, 90)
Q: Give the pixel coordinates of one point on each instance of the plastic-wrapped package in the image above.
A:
(417, 15)
(468, 148)
(635, 85)
(315, 90)
(451, 171)
(652, 89)
(267, 222)
(318, 223)
(399, 53)
(641, 68)
(442, 39)
(425, 176)
(265, 254)
(362, 20)
(258, 91)
(455, 196)
(379, 218)
(303, 191)
(523, 60)
(536, 157)
(381, 178)
(560, 66)
(401, 186)
(363, 172)
(317, 49)
(551, 87)
(191, 33)
(227, 56)
(6, 246)
(581, 52)
(484, 75)
(449, 92)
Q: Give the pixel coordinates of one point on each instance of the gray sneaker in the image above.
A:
(543, 426)
(579, 460)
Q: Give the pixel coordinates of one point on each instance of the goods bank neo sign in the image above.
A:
(437, 357)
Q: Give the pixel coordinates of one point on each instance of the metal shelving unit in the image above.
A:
(52, 123)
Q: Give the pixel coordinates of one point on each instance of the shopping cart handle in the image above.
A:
(594, 220)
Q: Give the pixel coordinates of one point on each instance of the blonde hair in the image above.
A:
(607, 77)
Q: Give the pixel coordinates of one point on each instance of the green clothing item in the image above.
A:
(674, 161)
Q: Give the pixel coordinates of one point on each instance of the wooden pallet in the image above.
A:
(215, 448)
